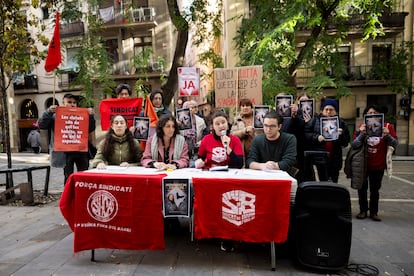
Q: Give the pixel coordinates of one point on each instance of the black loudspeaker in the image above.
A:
(323, 225)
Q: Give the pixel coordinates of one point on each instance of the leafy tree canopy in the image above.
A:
(270, 37)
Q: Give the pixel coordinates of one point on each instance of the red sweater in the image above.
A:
(377, 150)
(214, 154)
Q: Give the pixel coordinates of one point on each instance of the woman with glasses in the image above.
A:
(119, 147)
(157, 99)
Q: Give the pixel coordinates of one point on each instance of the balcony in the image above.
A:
(72, 29)
(393, 23)
(26, 82)
(135, 20)
(389, 20)
(67, 77)
(363, 75)
(126, 70)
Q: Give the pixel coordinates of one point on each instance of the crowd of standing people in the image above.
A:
(283, 143)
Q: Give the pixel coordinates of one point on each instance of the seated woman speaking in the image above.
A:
(220, 148)
(166, 149)
(119, 146)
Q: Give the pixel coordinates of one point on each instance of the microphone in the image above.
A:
(223, 133)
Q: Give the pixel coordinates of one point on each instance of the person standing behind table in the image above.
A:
(123, 90)
(194, 135)
(67, 160)
(300, 120)
(376, 163)
(156, 98)
(119, 147)
(166, 149)
(243, 125)
(33, 139)
(220, 148)
(274, 149)
(334, 163)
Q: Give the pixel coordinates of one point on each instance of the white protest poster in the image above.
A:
(188, 81)
(234, 84)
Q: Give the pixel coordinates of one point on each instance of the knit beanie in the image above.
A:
(332, 103)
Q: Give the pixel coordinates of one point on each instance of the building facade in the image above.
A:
(361, 58)
(130, 28)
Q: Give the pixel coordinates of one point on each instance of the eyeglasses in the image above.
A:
(270, 126)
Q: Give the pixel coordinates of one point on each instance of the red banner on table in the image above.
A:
(242, 209)
(129, 107)
(71, 129)
(116, 211)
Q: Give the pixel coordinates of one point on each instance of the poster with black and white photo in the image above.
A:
(176, 197)
(374, 124)
(259, 111)
(282, 103)
(329, 128)
(307, 107)
(141, 125)
(184, 118)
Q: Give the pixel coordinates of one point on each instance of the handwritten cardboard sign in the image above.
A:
(234, 84)
(71, 129)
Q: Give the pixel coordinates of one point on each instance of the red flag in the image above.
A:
(149, 112)
(54, 56)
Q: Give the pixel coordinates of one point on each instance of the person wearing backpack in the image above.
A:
(376, 163)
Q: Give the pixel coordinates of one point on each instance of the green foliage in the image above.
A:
(141, 61)
(208, 22)
(269, 37)
(94, 69)
(394, 71)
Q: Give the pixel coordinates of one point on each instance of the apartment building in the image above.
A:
(361, 59)
(130, 27)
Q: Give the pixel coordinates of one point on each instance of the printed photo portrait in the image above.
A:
(374, 124)
(282, 104)
(176, 197)
(184, 118)
(259, 111)
(329, 128)
(141, 125)
(306, 107)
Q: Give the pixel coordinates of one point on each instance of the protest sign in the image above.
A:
(188, 81)
(71, 129)
(128, 107)
(234, 84)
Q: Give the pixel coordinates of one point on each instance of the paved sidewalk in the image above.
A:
(36, 240)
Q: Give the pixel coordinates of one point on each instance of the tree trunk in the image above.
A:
(170, 87)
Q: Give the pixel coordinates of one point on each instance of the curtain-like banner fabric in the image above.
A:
(242, 209)
(129, 107)
(114, 211)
